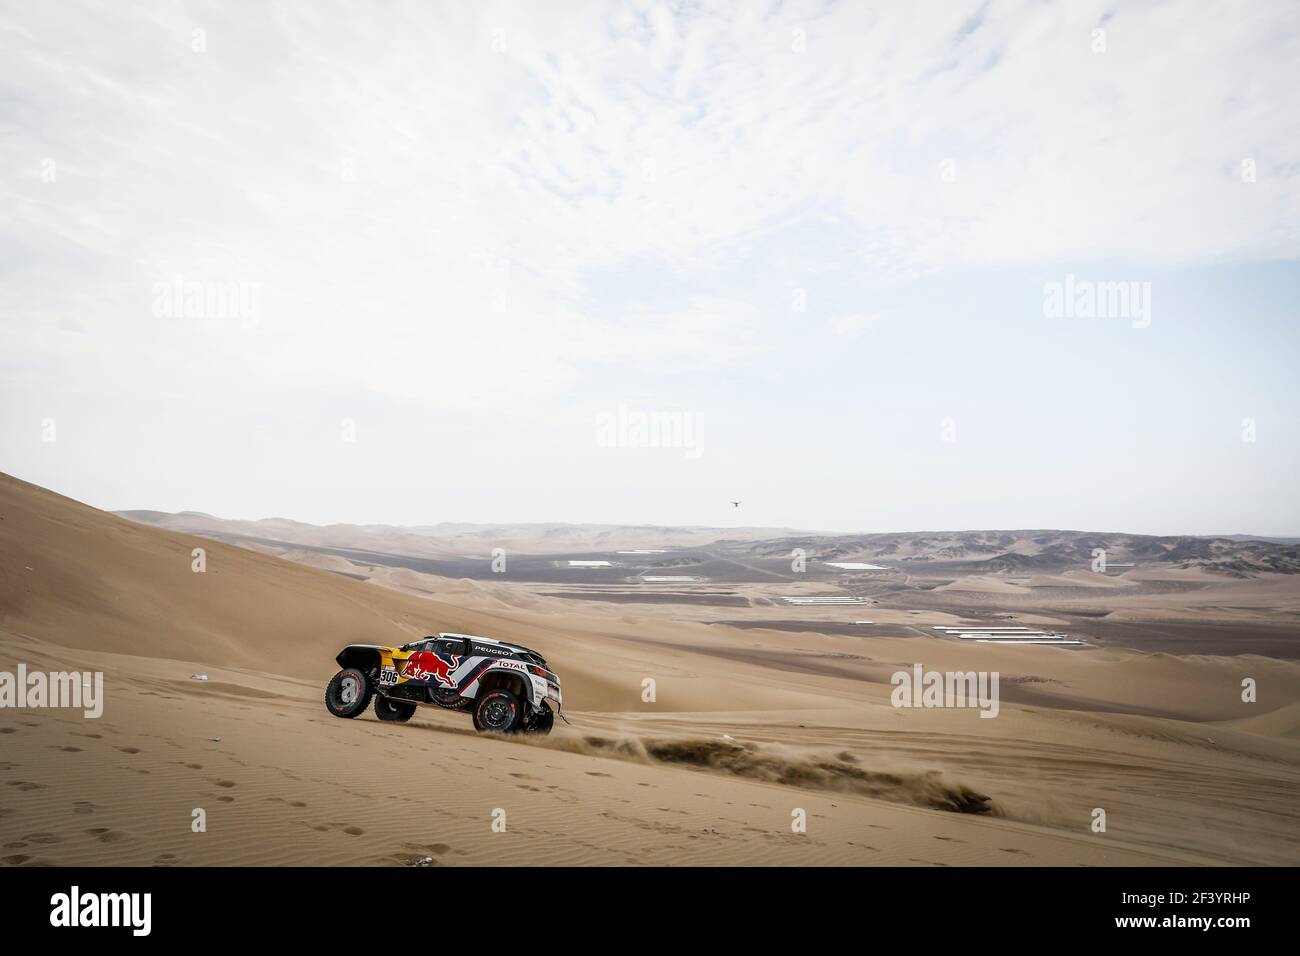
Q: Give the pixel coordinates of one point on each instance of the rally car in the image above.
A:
(506, 687)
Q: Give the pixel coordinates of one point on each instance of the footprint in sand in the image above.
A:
(345, 827)
(26, 785)
(226, 799)
(8, 730)
(225, 783)
(43, 838)
(291, 803)
(193, 766)
(129, 750)
(596, 773)
(15, 860)
(83, 806)
(68, 750)
(105, 835)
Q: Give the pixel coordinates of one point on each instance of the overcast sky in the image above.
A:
(433, 260)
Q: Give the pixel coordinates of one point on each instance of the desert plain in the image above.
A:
(710, 721)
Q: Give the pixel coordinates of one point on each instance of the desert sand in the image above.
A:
(750, 723)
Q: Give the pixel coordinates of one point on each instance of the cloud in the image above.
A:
(426, 196)
(851, 324)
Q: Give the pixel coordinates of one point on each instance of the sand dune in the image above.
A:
(749, 727)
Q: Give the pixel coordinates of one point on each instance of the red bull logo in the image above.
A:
(426, 665)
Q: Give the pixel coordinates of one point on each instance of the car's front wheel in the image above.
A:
(348, 693)
(498, 711)
(388, 709)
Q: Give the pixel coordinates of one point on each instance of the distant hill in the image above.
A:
(450, 538)
(1256, 537)
(985, 552)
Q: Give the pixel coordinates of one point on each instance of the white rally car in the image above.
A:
(507, 687)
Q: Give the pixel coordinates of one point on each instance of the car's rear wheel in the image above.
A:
(388, 709)
(498, 711)
(348, 693)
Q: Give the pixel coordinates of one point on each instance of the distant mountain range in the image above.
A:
(1044, 551)
(966, 552)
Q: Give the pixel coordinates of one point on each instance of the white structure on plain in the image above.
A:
(988, 634)
(825, 601)
(856, 566)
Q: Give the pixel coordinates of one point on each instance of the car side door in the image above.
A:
(456, 651)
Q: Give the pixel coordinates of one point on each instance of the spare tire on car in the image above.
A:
(348, 693)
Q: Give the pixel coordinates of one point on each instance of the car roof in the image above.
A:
(488, 640)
